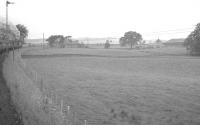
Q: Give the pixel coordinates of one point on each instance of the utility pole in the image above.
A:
(7, 3)
(7, 15)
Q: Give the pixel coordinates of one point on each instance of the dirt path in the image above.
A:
(8, 114)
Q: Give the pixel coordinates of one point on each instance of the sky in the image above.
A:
(164, 19)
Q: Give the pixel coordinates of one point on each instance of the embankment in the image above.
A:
(8, 114)
(27, 96)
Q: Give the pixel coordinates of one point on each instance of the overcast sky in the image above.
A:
(105, 18)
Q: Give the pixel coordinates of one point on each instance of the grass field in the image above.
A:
(118, 86)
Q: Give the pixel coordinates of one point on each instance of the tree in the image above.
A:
(192, 42)
(131, 38)
(69, 41)
(4, 35)
(7, 34)
(107, 44)
(51, 40)
(23, 32)
(122, 41)
(81, 45)
(61, 41)
(56, 40)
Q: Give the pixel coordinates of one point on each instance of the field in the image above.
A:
(123, 87)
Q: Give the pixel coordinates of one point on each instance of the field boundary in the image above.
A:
(103, 56)
(37, 104)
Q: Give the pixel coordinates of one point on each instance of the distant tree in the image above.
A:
(107, 44)
(56, 40)
(68, 37)
(61, 41)
(131, 38)
(122, 41)
(23, 32)
(192, 42)
(68, 40)
(81, 45)
(51, 40)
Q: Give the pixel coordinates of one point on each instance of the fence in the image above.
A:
(50, 102)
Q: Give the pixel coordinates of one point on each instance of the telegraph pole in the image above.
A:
(7, 3)
(7, 15)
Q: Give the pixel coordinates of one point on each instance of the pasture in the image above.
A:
(123, 87)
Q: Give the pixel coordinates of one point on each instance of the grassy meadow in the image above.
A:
(121, 86)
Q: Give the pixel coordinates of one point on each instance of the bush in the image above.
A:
(192, 42)
(107, 44)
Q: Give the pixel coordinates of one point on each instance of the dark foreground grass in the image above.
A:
(8, 114)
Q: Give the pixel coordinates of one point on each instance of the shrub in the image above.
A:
(192, 42)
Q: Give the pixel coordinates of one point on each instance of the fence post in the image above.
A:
(36, 76)
(61, 106)
(74, 118)
(41, 85)
(68, 111)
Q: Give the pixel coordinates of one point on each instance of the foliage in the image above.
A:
(107, 44)
(7, 34)
(81, 45)
(69, 41)
(61, 42)
(3, 34)
(192, 42)
(122, 41)
(23, 32)
(131, 38)
(56, 40)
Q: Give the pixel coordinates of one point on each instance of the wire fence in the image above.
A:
(53, 104)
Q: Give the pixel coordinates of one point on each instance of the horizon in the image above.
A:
(102, 40)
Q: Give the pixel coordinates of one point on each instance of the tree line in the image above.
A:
(63, 41)
(130, 38)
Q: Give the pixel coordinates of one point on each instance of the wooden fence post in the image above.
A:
(68, 110)
(61, 106)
